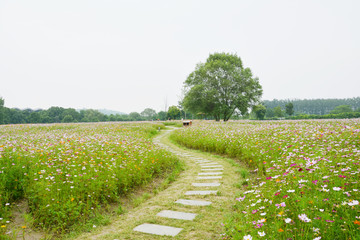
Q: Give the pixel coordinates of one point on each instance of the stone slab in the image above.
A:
(209, 164)
(212, 166)
(210, 173)
(158, 229)
(206, 184)
(176, 215)
(193, 202)
(210, 177)
(212, 169)
(200, 192)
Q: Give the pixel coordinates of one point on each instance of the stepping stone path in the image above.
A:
(208, 168)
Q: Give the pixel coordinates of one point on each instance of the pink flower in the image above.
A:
(240, 198)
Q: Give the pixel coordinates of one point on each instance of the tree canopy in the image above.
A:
(220, 86)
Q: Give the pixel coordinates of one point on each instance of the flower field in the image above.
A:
(67, 172)
(304, 181)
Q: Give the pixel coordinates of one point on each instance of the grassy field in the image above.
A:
(305, 176)
(67, 172)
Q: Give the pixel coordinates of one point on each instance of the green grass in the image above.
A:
(302, 181)
(69, 173)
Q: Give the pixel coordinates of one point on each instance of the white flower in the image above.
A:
(291, 191)
(321, 210)
(94, 226)
(353, 203)
(316, 229)
(355, 190)
(336, 188)
(317, 238)
(261, 234)
(288, 220)
(263, 214)
(304, 218)
(7, 204)
(247, 237)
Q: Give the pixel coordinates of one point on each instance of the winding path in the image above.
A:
(192, 207)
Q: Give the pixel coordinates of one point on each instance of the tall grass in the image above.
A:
(67, 172)
(306, 182)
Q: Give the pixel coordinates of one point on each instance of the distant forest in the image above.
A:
(314, 106)
(275, 109)
(68, 115)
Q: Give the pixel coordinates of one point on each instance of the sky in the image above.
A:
(128, 55)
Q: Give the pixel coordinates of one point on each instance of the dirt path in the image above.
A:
(207, 223)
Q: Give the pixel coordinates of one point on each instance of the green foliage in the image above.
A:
(148, 114)
(220, 86)
(2, 102)
(289, 109)
(173, 112)
(134, 116)
(162, 115)
(278, 112)
(341, 109)
(314, 106)
(260, 111)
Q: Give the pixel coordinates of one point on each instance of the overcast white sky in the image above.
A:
(131, 55)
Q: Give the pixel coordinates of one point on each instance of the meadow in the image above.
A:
(303, 181)
(68, 172)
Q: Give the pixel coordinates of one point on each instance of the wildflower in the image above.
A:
(357, 222)
(280, 230)
(254, 211)
(329, 221)
(317, 238)
(3, 226)
(277, 193)
(240, 198)
(316, 229)
(353, 203)
(336, 188)
(23, 227)
(290, 191)
(288, 220)
(304, 218)
(247, 237)
(321, 210)
(261, 234)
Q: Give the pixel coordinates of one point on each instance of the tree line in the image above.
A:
(313, 106)
(67, 115)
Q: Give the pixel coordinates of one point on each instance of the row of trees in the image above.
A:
(262, 112)
(314, 106)
(67, 115)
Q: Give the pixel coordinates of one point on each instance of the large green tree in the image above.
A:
(259, 111)
(173, 112)
(148, 114)
(220, 86)
(289, 109)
